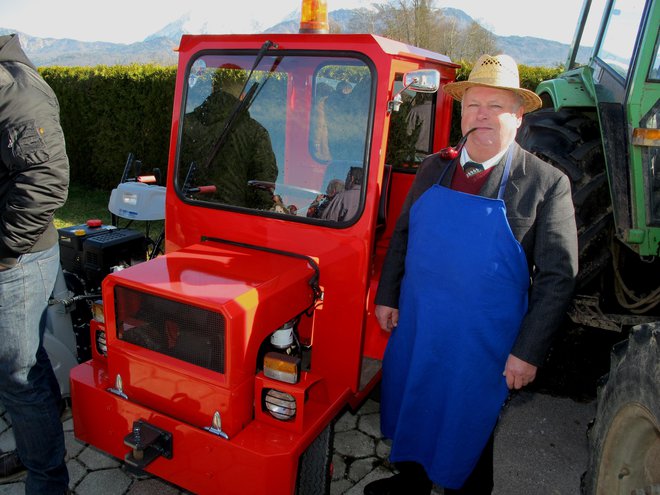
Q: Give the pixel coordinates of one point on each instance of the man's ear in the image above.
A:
(519, 117)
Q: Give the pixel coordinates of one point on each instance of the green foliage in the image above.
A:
(530, 77)
(83, 204)
(401, 143)
(108, 112)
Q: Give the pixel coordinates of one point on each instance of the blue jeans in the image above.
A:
(28, 387)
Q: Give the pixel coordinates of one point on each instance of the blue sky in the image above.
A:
(127, 21)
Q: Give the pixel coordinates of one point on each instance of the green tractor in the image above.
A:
(600, 123)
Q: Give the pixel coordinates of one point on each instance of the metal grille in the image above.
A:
(188, 333)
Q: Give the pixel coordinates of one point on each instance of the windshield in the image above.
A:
(286, 139)
(616, 48)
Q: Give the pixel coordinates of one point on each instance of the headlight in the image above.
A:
(280, 404)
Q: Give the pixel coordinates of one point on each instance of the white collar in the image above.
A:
(491, 162)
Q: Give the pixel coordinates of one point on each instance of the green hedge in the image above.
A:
(108, 112)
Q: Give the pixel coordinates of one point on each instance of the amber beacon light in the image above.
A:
(314, 17)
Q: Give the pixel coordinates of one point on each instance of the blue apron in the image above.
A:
(463, 297)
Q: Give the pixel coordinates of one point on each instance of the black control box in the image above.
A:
(92, 250)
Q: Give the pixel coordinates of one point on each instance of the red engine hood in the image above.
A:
(255, 291)
(270, 285)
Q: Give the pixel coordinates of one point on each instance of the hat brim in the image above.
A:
(531, 101)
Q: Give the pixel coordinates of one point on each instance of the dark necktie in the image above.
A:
(471, 168)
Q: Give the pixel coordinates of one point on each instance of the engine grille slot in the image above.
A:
(188, 333)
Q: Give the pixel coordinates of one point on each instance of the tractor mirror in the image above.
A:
(422, 81)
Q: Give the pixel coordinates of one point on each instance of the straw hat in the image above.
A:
(499, 71)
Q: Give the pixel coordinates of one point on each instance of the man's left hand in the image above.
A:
(518, 373)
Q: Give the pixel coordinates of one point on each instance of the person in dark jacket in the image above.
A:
(34, 180)
(321, 202)
(244, 157)
(478, 276)
(345, 204)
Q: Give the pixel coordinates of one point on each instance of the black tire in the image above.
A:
(314, 474)
(570, 140)
(624, 439)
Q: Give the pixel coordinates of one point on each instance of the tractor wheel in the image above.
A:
(314, 474)
(625, 435)
(570, 140)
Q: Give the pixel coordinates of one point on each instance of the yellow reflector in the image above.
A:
(281, 367)
(646, 137)
(314, 17)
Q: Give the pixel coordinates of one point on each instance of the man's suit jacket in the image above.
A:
(542, 218)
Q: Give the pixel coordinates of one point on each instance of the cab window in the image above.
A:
(618, 43)
(410, 138)
(285, 135)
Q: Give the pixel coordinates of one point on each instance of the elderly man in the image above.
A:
(477, 279)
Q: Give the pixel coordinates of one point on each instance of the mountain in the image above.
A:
(159, 47)
(68, 52)
(534, 51)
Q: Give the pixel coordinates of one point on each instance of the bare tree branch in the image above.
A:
(420, 23)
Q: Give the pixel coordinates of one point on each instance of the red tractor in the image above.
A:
(221, 365)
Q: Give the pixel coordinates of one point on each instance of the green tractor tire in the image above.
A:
(570, 140)
(624, 439)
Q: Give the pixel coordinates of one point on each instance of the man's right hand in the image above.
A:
(387, 317)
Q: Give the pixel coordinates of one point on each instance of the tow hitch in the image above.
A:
(148, 443)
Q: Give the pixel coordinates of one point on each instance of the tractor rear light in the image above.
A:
(646, 137)
(101, 342)
(282, 367)
(98, 330)
(314, 17)
(147, 179)
(279, 404)
(97, 311)
(98, 341)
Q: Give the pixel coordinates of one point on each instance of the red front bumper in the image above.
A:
(260, 459)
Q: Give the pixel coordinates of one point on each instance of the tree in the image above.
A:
(409, 21)
(419, 23)
(449, 36)
(364, 21)
(477, 41)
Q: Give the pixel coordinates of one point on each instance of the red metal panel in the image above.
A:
(261, 459)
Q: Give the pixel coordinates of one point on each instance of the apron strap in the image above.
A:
(505, 175)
